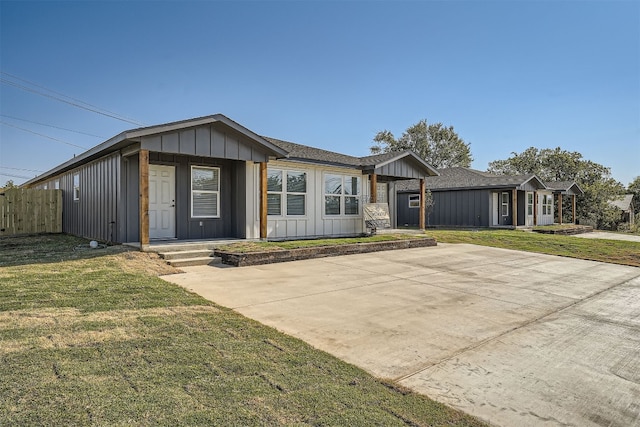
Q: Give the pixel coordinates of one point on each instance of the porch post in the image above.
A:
(263, 200)
(560, 207)
(143, 186)
(514, 206)
(422, 205)
(374, 188)
(573, 210)
(535, 208)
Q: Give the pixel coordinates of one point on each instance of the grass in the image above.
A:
(244, 247)
(611, 251)
(94, 337)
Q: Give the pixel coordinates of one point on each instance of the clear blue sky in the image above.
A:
(506, 75)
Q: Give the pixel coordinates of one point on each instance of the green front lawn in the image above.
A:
(94, 337)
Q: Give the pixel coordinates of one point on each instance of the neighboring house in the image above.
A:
(465, 197)
(211, 177)
(626, 206)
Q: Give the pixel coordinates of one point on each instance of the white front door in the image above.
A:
(530, 207)
(382, 192)
(162, 202)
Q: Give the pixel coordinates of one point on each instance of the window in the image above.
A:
(341, 194)
(293, 194)
(56, 184)
(205, 192)
(529, 204)
(76, 186)
(547, 205)
(414, 201)
(505, 204)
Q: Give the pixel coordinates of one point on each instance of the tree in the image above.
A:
(634, 188)
(438, 145)
(8, 185)
(561, 165)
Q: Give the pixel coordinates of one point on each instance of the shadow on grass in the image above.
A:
(48, 248)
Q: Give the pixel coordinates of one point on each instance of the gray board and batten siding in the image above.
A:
(232, 197)
(462, 208)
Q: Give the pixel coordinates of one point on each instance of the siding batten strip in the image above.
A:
(143, 184)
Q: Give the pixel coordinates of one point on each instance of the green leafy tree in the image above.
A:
(438, 145)
(634, 188)
(560, 165)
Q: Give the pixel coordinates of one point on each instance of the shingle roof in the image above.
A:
(465, 178)
(316, 155)
(622, 202)
(565, 187)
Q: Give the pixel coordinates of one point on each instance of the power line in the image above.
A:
(15, 176)
(20, 169)
(52, 126)
(42, 135)
(69, 100)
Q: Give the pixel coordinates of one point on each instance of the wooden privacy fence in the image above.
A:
(27, 211)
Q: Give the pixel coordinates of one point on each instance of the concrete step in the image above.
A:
(196, 253)
(183, 247)
(189, 262)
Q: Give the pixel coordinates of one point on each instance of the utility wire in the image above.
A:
(52, 126)
(20, 169)
(42, 135)
(60, 97)
(15, 176)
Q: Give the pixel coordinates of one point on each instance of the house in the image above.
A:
(466, 197)
(626, 207)
(211, 178)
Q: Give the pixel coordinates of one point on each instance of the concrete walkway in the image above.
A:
(609, 236)
(514, 338)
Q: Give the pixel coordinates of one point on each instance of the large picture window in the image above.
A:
(341, 194)
(286, 192)
(205, 192)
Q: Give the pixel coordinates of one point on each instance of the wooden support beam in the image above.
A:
(263, 200)
(573, 210)
(535, 208)
(374, 188)
(423, 211)
(514, 206)
(560, 208)
(143, 185)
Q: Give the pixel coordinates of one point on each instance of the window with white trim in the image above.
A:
(505, 204)
(530, 204)
(547, 204)
(205, 192)
(56, 184)
(341, 194)
(414, 201)
(286, 192)
(76, 186)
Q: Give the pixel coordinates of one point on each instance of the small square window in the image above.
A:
(414, 201)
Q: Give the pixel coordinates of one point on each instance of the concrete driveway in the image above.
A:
(514, 338)
(609, 236)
